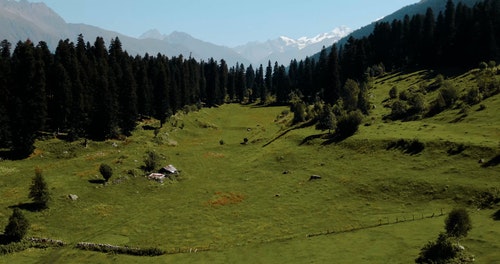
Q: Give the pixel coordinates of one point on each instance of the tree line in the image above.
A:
(461, 36)
(98, 92)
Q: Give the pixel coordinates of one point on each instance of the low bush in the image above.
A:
(106, 171)
(106, 248)
(151, 161)
(15, 247)
(348, 124)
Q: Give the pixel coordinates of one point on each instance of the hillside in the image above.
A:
(22, 20)
(254, 202)
(417, 8)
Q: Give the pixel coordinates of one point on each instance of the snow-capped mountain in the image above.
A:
(284, 49)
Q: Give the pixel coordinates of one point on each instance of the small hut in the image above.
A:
(168, 170)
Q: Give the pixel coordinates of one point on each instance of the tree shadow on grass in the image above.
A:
(496, 215)
(493, 162)
(97, 181)
(336, 138)
(32, 207)
(312, 137)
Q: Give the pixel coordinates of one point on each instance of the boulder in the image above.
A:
(73, 197)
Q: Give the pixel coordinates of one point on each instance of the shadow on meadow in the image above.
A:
(32, 207)
(97, 181)
(496, 215)
(493, 162)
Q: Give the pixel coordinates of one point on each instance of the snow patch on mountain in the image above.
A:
(331, 36)
(283, 48)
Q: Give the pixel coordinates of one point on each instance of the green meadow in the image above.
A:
(253, 202)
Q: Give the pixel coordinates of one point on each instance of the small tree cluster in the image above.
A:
(446, 248)
(410, 105)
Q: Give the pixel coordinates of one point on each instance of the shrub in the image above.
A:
(440, 251)
(327, 119)
(393, 93)
(151, 161)
(399, 109)
(106, 171)
(458, 223)
(483, 65)
(299, 112)
(348, 124)
(473, 96)
(417, 103)
(17, 227)
(403, 95)
(449, 93)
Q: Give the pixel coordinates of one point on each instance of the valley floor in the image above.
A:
(254, 202)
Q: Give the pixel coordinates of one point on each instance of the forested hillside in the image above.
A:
(89, 90)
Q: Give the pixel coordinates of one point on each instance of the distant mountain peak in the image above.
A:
(152, 34)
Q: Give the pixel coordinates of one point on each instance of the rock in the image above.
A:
(314, 177)
(73, 197)
(481, 161)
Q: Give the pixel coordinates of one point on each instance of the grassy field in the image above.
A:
(372, 205)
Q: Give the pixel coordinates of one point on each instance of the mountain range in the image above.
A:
(23, 20)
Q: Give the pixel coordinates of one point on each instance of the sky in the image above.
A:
(226, 22)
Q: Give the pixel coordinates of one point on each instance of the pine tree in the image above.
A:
(250, 83)
(268, 82)
(5, 129)
(261, 84)
(39, 191)
(128, 100)
(223, 82)
(161, 86)
(332, 89)
(17, 226)
(27, 109)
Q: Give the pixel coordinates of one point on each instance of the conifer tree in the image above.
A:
(4, 83)
(332, 88)
(39, 191)
(17, 227)
(27, 105)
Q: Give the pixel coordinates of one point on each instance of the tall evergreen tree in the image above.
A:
(5, 77)
(268, 81)
(39, 191)
(223, 75)
(161, 75)
(17, 227)
(260, 84)
(28, 104)
(104, 119)
(250, 83)
(332, 87)
(212, 83)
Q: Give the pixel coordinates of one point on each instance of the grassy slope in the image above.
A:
(363, 185)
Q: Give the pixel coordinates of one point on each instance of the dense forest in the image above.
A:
(98, 92)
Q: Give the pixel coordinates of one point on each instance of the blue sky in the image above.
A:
(226, 22)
